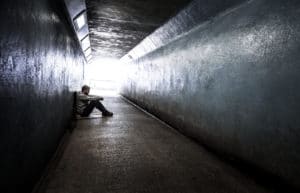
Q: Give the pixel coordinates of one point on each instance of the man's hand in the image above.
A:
(95, 97)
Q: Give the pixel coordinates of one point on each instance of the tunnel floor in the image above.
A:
(134, 153)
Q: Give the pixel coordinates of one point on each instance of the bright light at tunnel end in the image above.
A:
(104, 75)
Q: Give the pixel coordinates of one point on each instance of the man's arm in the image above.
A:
(95, 97)
(84, 97)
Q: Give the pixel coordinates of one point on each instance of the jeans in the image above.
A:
(87, 111)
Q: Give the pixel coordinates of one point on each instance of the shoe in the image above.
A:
(107, 114)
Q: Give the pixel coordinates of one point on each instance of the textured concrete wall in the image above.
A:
(197, 12)
(40, 64)
(232, 83)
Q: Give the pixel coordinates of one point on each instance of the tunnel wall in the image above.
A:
(195, 13)
(232, 83)
(41, 64)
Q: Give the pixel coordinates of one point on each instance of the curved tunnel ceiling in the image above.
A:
(116, 26)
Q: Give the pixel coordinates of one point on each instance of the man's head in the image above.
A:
(85, 89)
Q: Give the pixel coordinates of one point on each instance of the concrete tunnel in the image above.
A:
(208, 96)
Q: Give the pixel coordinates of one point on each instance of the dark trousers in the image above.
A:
(87, 111)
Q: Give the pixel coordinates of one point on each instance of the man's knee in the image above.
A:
(97, 104)
(94, 102)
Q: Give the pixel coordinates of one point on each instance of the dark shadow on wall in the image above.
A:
(40, 65)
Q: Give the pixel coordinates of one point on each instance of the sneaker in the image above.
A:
(107, 114)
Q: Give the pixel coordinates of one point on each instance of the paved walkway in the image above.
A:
(134, 153)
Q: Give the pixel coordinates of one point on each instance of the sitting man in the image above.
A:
(86, 103)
